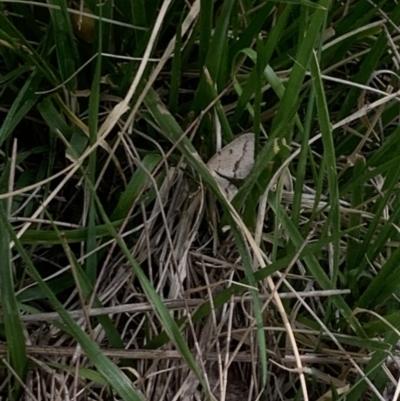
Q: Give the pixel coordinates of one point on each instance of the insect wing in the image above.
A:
(236, 159)
(227, 187)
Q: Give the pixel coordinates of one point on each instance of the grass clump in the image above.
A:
(127, 272)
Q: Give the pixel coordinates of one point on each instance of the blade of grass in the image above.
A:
(218, 43)
(29, 21)
(16, 41)
(288, 106)
(108, 369)
(268, 50)
(357, 198)
(263, 54)
(214, 65)
(302, 162)
(383, 284)
(364, 253)
(139, 18)
(34, 292)
(91, 261)
(369, 174)
(24, 101)
(135, 186)
(176, 72)
(306, 3)
(372, 369)
(67, 54)
(222, 118)
(73, 236)
(369, 64)
(83, 373)
(283, 121)
(83, 282)
(330, 161)
(205, 30)
(314, 267)
(54, 119)
(9, 78)
(246, 37)
(10, 313)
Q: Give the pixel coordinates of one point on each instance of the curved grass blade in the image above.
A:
(114, 376)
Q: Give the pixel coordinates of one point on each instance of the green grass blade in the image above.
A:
(284, 119)
(215, 65)
(108, 369)
(218, 42)
(268, 49)
(135, 186)
(9, 78)
(73, 236)
(67, 54)
(205, 29)
(368, 65)
(365, 248)
(330, 160)
(212, 94)
(30, 25)
(139, 18)
(357, 197)
(91, 261)
(314, 267)
(176, 72)
(306, 3)
(10, 313)
(24, 101)
(16, 42)
(372, 370)
(83, 282)
(287, 110)
(383, 285)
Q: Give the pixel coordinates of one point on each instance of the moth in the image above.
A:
(233, 163)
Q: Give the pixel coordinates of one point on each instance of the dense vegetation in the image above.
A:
(126, 273)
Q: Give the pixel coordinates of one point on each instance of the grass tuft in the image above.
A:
(126, 271)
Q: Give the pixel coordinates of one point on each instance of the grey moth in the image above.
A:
(233, 162)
